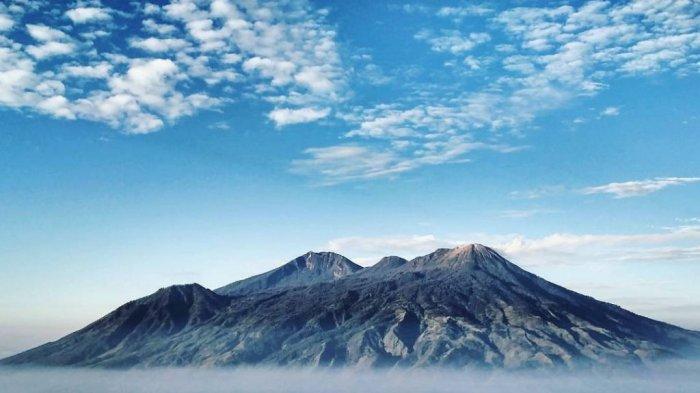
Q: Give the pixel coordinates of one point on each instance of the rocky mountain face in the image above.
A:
(453, 307)
(310, 268)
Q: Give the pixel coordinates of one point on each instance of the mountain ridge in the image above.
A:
(310, 268)
(453, 307)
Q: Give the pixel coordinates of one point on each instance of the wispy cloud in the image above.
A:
(348, 162)
(523, 213)
(610, 111)
(376, 247)
(286, 116)
(576, 248)
(220, 125)
(341, 163)
(452, 41)
(537, 193)
(673, 244)
(639, 187)
(458, 13)
(549, 57)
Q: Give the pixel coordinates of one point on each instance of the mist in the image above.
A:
(665, 377)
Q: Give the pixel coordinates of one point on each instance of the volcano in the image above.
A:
(466, 306)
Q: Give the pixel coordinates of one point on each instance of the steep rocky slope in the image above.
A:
(310, 268)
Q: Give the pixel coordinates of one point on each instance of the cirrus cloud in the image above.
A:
(638, 187)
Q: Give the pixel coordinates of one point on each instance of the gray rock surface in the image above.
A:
(453, 307)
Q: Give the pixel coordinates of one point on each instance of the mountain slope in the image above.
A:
(123, 336)
(455, 307)
(310, 268)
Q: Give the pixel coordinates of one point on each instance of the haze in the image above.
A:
(663, 377)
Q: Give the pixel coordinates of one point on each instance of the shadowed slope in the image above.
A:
(126, 335)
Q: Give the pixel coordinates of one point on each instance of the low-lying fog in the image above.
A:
(667, 377)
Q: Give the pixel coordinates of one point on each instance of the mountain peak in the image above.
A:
(184, 295)
(325, 261)
(386, 264)
(310, 268)
(193, 287)
(467, 255)
(475, 249)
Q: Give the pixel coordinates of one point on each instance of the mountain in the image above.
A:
(453, 307)
(310, 268)
(385, 264)
(132, 330)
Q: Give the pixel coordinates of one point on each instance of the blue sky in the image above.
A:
(146, 144)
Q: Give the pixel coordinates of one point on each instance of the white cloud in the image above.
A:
(88, 14)
(452, 41)
(412, 8)
(57, 106)
(17, 79)
(639, 187)
(537, 193)
(231, 58)
(551, 56)
(203, 54)
(101, 70)
(286, 116)
(348, 162)
(374, 248)
(280, 72)
(52, 42)
(630, 37)
(156, 45)
(286, 54)
(143, 97)
(153, 26)
(464, 11)
(472, 63)
(51, 49)
(45, 33)
(661, 376)
(6, 22)
(610, 111)
(523, 213)
(289, 52)
(671, 245)
(219, 125)
(420, 136)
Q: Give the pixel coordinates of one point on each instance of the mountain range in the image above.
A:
(466, 306)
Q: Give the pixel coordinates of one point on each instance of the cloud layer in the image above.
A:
(186, 56)
(680, 243)
(141, 66)
(683, 376)
(533, 60)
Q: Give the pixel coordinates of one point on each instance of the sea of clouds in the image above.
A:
(666, 377)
